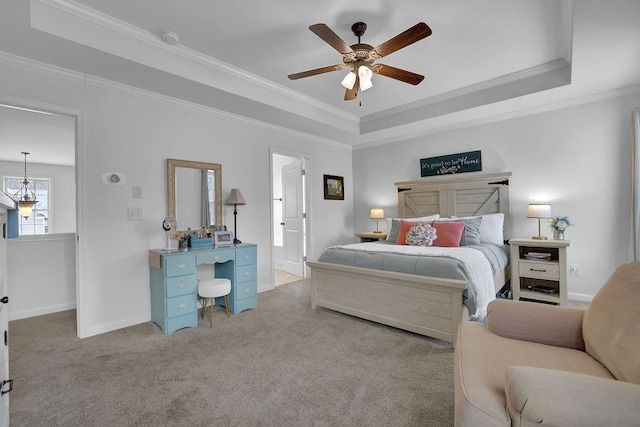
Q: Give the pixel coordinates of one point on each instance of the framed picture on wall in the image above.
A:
(223, 238)
(333, 187)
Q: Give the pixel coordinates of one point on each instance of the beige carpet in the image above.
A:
(282, 364)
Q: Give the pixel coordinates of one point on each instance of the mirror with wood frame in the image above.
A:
(194, 193)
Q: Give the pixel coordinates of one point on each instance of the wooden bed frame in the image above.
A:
(425, 305)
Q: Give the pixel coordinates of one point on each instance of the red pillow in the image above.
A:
(448, 234)
(405, 225)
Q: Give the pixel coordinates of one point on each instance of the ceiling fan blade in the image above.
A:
(397, 73)
(412, 35)
(351, 94)
(327, 34)
(317, 71)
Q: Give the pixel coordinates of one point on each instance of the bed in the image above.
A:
(421, 303)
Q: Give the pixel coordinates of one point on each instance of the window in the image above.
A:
(38, 223)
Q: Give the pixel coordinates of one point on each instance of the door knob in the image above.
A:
(4, 300)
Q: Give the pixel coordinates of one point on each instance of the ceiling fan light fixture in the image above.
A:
(349, 80)
(365, 75)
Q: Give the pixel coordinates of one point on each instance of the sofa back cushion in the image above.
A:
(611, 324)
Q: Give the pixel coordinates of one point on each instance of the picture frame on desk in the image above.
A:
(222, 238)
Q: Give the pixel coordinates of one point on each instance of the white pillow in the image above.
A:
(491, 228)
(389, 221)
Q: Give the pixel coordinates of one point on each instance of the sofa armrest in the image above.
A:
(541, 323)
(560, 398)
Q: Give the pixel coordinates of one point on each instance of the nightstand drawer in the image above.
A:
(540, 270)
(181, 285)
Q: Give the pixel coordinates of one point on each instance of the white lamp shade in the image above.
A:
(349, 80)
(235, 198)
(539, 211)
(377, 213)
(365, 74)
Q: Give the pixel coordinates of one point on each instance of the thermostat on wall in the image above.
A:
(114, 178)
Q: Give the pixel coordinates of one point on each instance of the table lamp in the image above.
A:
(539, 211)
(235, 198)
(377, 214)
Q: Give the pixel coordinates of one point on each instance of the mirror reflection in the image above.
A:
(194, 193)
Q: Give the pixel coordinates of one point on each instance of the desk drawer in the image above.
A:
(213, 257)
(246, 290)
(246, 273)
(246, 256)
(540, 270)
(181, 285)
(178, 306)
(179, 265)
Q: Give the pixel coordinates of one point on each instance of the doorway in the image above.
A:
(288, 212)
(50, 136)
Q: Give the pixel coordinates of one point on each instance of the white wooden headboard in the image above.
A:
(461, 196)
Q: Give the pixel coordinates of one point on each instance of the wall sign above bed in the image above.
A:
(470, 161)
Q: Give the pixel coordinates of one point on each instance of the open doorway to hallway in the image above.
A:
(289, 227)
(46, 248)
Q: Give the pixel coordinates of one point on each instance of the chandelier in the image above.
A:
(25, 197)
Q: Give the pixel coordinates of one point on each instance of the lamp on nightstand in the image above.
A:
(377, 214)
(539, 211)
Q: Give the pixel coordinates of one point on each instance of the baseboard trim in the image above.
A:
(103, 329)
(580, 297)
(41, 311)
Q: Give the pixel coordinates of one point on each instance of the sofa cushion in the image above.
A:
(481, 362)
(612, 321)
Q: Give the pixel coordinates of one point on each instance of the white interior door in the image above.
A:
(293, 218)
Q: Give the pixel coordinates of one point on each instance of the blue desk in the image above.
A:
(174, 288)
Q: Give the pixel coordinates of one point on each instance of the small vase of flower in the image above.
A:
(183, 241)
(559, 224)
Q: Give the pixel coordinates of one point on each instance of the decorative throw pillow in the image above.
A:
(471, 232)
(491, 228)
(421, 235)
(393, 225)
(449, 233)
(405, 225)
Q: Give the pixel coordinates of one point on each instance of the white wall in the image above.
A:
(134, 133)
(41, 274)
(578, 159)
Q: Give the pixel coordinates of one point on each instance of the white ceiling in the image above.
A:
(484, 59)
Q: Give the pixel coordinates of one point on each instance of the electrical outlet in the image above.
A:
(134, 214)
(574, 270)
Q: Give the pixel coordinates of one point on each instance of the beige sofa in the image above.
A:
(538, 364)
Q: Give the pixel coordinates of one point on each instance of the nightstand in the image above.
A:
(370, 236)
(539, 270)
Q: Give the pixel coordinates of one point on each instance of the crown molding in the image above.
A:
(168, 100)
(40, 67)
(85, 79)
(113, 24)
(488, 84)
(527, 111)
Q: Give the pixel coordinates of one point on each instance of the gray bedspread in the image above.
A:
(436, 266)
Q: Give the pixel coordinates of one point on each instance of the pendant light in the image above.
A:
(25, 197)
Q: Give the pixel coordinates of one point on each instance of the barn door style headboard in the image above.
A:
(459, 196)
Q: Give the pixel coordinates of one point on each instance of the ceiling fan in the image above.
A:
(361, 57)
